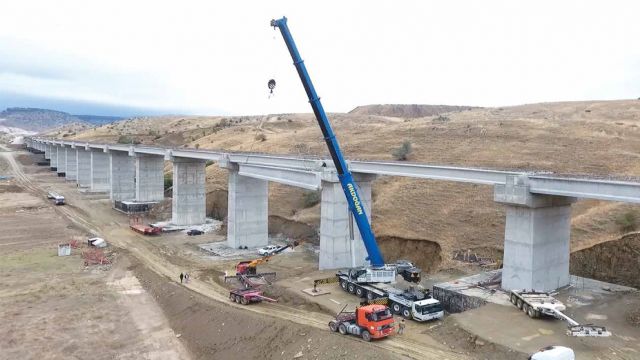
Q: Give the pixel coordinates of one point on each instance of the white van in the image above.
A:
(554, 353)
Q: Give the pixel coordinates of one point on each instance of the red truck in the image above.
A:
(369, 322)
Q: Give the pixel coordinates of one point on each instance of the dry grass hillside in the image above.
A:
(593, 138)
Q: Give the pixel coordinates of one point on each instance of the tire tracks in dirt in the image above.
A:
(137, 246)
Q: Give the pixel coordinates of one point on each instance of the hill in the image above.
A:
(407, 110)
(35, 119)
(424, 220)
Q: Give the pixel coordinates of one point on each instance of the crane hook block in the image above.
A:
(271, 84)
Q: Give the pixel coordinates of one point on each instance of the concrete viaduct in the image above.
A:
(538, 207)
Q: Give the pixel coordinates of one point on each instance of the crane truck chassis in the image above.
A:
(537, 304)
(369, 322)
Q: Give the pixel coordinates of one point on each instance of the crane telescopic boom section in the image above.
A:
(346, 179)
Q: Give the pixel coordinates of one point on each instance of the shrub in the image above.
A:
(628, 221)
(441, 119)
(197, 146)
(124, 139)
(209, 163)
(261, 137)
(311, 198)
(168, 181)
(402, 152)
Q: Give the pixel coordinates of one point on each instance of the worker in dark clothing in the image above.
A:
(401, 327)
(181, 277)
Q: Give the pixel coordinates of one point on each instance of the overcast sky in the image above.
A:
(215, 57)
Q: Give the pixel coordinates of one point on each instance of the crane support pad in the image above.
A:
(378, 301)
(325, 281)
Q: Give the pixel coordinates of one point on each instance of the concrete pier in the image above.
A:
(537, 234)
(62, 161)
(123, 176)
(84, 167)
(149, 172)
(247, 211)
(340, 241)
(54, 157)
(100, 174)
(189, 197)
(47, 151)
(71, 167)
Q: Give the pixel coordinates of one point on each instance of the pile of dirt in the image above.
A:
(614, 261)
(423, 253)
(161, 211)
(407, 110)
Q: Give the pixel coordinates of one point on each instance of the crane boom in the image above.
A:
(344, 175)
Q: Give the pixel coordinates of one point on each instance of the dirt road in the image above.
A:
(102, 220)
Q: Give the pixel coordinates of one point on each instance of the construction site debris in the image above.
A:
(64, 249)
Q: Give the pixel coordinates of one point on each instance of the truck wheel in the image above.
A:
(366, 336)
(406, 313)
(359, 292)
(244, 301)
(342, 329)
(396, 308)
(352, 288)
(232, 297)
(519, 304)
(343, 285)
(333, 325)
(525, 308)
(533, 313)
(514, 299)
(370, 296)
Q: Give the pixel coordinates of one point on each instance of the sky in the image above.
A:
(215, 57)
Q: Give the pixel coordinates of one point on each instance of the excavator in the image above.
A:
(250, 267)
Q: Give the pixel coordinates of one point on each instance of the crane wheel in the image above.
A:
(366, 336)
(333, 325)
(359, 292)
(533, 313)
(396, 308)
(406, 313)
(370, 296)
(352, 288)
(514, 299)
(343, 285)
(525, 308)
(342, 329)
(519, 304)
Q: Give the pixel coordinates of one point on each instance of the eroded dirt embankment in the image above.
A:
(424, 253)
(615, 261)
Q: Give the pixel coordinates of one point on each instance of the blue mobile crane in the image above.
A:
(406, 269)
(370, 282)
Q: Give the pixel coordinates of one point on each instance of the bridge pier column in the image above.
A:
(71, 167)
(54, 157)
(149, 177)
(100, 174)
(84, 167)
(62, 161)
(47, 151)
(340, 241)
(536, 241)
(247, 210)
(123, 176)
(189, 197)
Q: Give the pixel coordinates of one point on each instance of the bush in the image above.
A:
(402, 153)
(209, 163)
(168, 181)
(197, 146)
(628, 221)
(124, 139)
(311, 198)
(261, 137)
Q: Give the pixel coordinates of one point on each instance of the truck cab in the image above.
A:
(428, 309)
(369, 322)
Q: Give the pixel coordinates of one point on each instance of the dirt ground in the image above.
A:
(103, 305)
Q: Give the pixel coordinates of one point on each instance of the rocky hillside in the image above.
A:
(407, 110)
(34, 119)
(432, 218)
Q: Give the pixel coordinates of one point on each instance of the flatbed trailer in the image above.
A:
(247, 296)
(411, 304)
(145, 229)
(539, 304)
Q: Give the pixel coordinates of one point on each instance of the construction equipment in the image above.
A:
(247, 280)
(537, 304)
(412, 303)
(136, 225)
(369, 322)
(249, 267)
(57, 198)
(247, 296)
(379, 271)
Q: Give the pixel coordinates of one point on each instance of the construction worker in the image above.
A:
(401, 327)
(181, 277)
